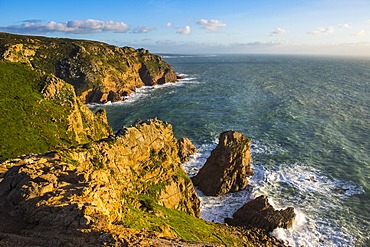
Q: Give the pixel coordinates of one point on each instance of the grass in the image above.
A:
(179, 222)
(29, 124)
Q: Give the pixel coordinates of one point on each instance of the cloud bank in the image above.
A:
(210, 25)
(74, 27)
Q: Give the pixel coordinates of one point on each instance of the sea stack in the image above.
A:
(228, 167)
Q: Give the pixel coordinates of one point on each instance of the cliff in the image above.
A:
(98, 71)
(115, 181)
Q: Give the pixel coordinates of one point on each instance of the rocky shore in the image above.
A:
(67, 180)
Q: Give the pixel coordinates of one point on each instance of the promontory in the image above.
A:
(67, 180)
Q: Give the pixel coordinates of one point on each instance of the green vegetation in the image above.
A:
(180, 223)
(29, 124)
(82, 63)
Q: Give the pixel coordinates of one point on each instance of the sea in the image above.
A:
(308, 119)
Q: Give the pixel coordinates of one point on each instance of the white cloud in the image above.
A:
(345, 26)
(210, 25)
(184, 30)
(76, 27)
(278, 31)
(321, 31)
(361, 32)
(169, 24)
(143, 29)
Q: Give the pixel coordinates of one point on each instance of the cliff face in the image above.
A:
(99, 72)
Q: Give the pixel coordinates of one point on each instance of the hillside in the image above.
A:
(40, 112)
(98, 71)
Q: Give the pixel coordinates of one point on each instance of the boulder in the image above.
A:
(259, 213)
(186, 148)
(228, 167)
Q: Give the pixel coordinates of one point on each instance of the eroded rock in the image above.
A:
(228, 167)
(260, 214)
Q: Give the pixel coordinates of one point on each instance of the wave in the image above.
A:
(313, 195)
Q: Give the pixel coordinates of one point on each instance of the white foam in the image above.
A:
(313, 195)
(143, 92)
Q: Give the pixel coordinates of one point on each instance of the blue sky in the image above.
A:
(340, 27)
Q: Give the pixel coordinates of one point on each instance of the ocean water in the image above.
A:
(308, 119)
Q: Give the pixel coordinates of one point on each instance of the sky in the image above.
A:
(326, 27)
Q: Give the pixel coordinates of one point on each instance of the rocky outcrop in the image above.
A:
(99, 72)
(228, 167)
(97, 185)
(83, 125)
(259, 213)
(186, 148)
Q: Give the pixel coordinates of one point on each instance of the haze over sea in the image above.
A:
(308, 119)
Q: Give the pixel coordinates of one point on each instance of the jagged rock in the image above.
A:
(260, 214)
(228, 167)
(186, 148)
(83, 125)
(93, 186)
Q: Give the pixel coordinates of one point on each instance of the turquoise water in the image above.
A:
(308, 119)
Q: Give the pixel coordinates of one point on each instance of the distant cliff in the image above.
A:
(98, 71)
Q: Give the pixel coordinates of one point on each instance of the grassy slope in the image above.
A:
(28, 123)
(184, 225)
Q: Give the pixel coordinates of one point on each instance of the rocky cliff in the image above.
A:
(100, 184)
(98, 71)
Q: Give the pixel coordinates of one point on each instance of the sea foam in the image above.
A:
(144, 91)
(312, 193)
